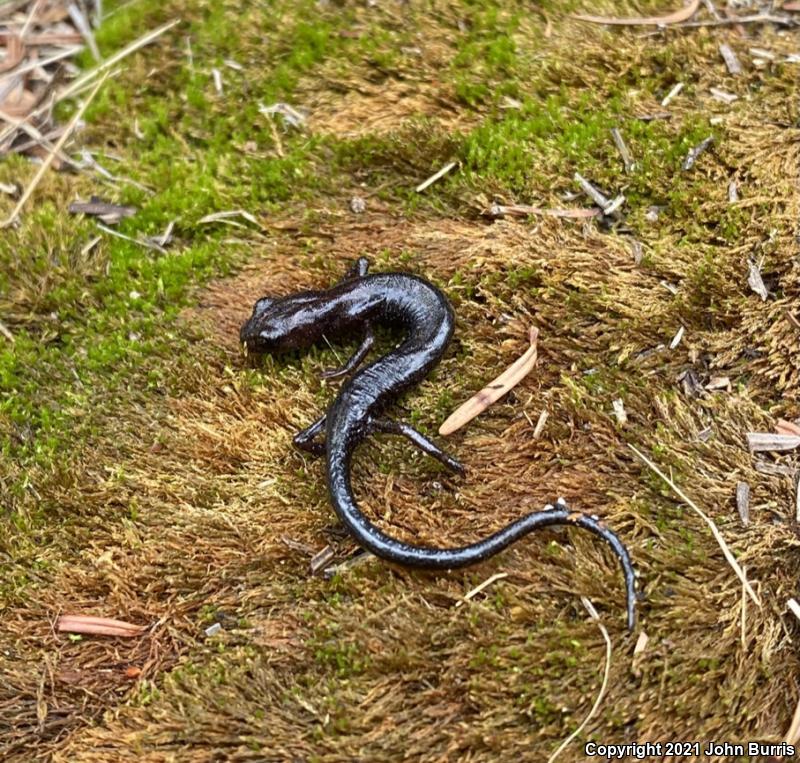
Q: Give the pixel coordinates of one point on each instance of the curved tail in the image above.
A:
(373, 539)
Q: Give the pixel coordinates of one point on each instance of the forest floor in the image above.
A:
(147, 471)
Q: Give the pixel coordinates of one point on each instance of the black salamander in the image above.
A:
(416, 307)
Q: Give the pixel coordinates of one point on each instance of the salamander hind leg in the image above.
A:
(420, 440)
(304, 439)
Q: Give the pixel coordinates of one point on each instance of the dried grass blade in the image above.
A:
(606, 671)
(493, 391)
(116, 58)
(731, 559)
(481, 587)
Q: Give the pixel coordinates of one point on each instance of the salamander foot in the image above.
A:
(304, 439)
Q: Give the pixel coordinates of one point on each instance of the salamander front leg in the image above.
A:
(355, 360)
(418, 439)
(304, 439)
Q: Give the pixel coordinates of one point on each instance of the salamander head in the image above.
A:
(287, 323)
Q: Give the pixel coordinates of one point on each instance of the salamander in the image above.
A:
(357, 304)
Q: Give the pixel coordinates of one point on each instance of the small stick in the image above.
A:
(607, 205)
(619, 142)
(482, 587)
(433, 178)
(714, 531)
(756, 282)
(671, 18)
(730, 59)
(722, 95)
(73, 123)
(321, 559)
(671, 94)
(743, 502)
(761, 441)
(99, 626)
(760, 18)
(595, 617)
(695, 152)
(493, 391)
(539, 428)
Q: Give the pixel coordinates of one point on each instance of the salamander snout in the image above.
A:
(279, 324)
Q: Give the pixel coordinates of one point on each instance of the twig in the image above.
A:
(671, 18)
(756, 282)
(482, 587)
(760, 18)
(321, 559)
(609, 206)
(766, 441)
(594, 616)
(730, 59)
(619, 142)
(667, 99)
(743, 502)
(99, 626)
(73, 123)
(694, 153)
(433, 178)
(493, 391)
(723, 95)
(539, 428)
(714, 531)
